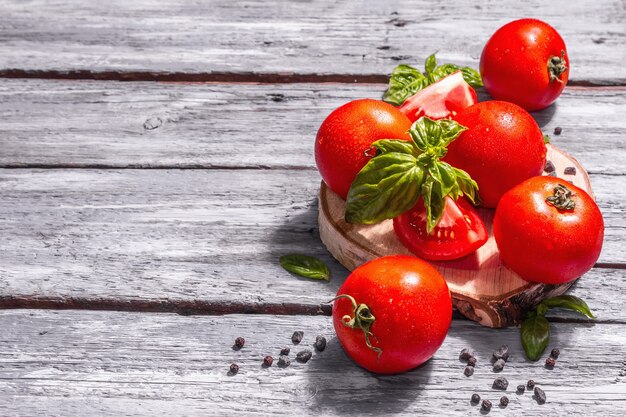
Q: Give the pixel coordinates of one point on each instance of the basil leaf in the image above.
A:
(395, 145)
(466, 184)
(386, 187)
(434, 202)
(305, 266)
(472, 77)
(569, 302)
(450, 130)
(430, 64)
(404, 82)
(443, 71)
(535, 334)
(429, 134)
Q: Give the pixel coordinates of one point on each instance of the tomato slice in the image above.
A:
(442, 99)
(460, 231)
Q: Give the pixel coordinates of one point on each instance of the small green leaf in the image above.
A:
(430, 64)
(467, 185)
(305, 266)
(546, 139)
(434, 202)
(404, 82)
(535, 335)
(542, 309)
(569, 302)
(431, 135)
(395, 145)
(386, 187)
(450, 130)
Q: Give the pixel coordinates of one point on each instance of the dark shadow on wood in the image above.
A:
(226, 77)
(330, 375)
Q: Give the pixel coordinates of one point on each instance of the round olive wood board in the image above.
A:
(482, 288)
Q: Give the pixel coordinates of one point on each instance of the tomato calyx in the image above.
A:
(362, 320)
(557, 66)
(562, 198)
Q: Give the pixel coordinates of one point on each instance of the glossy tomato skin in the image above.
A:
(348, 132)
(442, 99)
(412, 307)
(542, 243)
(502, 147)
(514, 64)
(459, 232)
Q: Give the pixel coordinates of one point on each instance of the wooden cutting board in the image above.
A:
(482, 288)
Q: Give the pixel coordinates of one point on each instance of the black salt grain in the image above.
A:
(320, 343)
(304, 356)
(297, 337)
(540, 396)
(500, 383)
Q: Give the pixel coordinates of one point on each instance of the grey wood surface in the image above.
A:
(125, 364)
(321, 37)
(114, 124)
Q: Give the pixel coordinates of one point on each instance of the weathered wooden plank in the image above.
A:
(195, 236)
(312, 37)
(65, 123)
(112, 364)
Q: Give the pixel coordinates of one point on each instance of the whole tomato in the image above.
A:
(525, 62)
(502, 147)
(347, 133)
(548, 230)
(392, 313)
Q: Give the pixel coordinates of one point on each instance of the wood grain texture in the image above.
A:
(113, 364)
(310, 37)
(204, 236)
(113, 124)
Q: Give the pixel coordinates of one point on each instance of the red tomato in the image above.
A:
(502, 147)
(544, 243)
(439, 100)
(459, 232)
(348, 132)
(411, 308)
(525, 62)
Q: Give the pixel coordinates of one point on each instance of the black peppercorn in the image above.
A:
(304, 356)
(283, 361)
(268, 360)
(540, 396)
(285, 351)
(471, 361)
(500, 383)
(549, 167)
(469, 371)
(234, 368)
(521, 389)
(557, 130)
(570, 171)
(297, 337)
(320, 343)
(550, 362)
(486, 405)
(530, 384)
(498, 365)
(501, 353)
(239, 342)
(465, 354)
(475, 399)
(555, 353)
(504, 401)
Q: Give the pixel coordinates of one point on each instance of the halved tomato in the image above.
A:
(460, 231)
(442, 99)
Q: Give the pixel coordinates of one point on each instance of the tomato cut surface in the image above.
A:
(459, 232)
(442, 99)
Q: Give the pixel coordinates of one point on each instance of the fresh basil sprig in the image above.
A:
(305, 266)
(535, 330)
(406, 80)
(403, 171)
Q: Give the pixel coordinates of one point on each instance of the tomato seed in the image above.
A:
(304, 356)
(285, 351)
(549, 167)
(239, 342)
(320, 343)
(475, 399)
(504, 401)
(297, 337)
(268, 360)
(486, 405)
(540, 396)
(500, 383)
(555, 353)
(570, 171)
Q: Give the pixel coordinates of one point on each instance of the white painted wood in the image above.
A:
(194, 235)
(310, 37)
(94, 123)
(133, 364)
